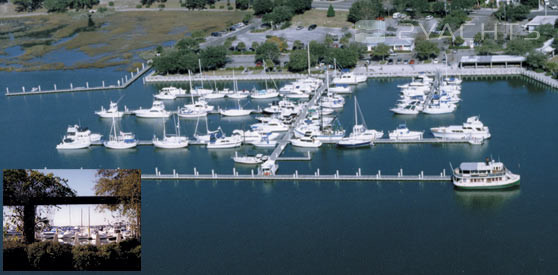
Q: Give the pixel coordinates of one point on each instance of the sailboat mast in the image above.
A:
(234, 83)
(201, 73)
(308, 58)
(190, 78)
(356, 115)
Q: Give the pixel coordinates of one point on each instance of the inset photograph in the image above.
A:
(72, 219)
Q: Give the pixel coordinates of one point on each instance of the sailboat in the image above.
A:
(171, 141)
(266, 93)
(123, 140)
(237, 94)
(198, 108)
(360, 136)
(199, 91)
(204, 138)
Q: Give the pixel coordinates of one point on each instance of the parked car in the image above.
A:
(216, 34)
(299, 28)
(390, 62)
(429, 17)
(406, 61)
(554, 7)
(398, 61)
(312, 27)
(412, 61)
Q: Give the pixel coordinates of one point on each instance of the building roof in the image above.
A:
(391, 41)
(491, 58)
(474, 166)
(542, 20)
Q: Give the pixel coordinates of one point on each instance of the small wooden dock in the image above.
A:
(120, 84)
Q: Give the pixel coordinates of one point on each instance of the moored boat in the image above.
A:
(484, 175)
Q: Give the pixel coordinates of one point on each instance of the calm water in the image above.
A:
(285, 227)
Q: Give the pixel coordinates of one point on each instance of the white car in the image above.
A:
(554, 7)
(429, 17)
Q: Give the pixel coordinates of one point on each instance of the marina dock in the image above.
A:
(152, 78)
(442, 177)
(120, 84)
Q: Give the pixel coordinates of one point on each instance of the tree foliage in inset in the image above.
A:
(381, 51)
(330, 11)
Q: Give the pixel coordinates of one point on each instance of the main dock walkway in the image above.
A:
(121, 84)
(296, 177)
(152, 78)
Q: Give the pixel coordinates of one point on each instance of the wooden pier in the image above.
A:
(152, 78)
(120, 84)
(358, 176)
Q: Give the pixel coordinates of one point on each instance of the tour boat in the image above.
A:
(349, 78)
(111, 112)
(403, 133)
(157, 110)
(122, 140)
(268, 168)
(250, 160)
(484, 175)
(171, 141)
(472, 128)
(306, 141)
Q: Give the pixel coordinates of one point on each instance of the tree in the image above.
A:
(241, 46)
(453, 21)
(364, 10)
(268, 51)
(3, 1)
(262, 6)
(536, 60)
(458, 41)
(426, 49)
(330, 11)
(242, 4)
(213, 57)
(188, 44)
(195, 4)
(126, 184)
(512, 13)
(23, 186)
(278, 15)
(298, 6)
(298, 61)
(298, 45)
(255, 45)
(532, 4)
(488, 47)
(246, 19)
(381, 51)
(55, 5)
(519, 46)
(27, 5)
(552, 67)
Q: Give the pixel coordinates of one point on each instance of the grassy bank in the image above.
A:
(116, 36)
(319, 17)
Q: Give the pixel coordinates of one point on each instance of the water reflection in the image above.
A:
(485, 199)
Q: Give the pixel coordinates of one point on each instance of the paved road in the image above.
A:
(214, 41)
(337, 5)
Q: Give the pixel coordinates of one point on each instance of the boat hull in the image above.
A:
(164, 145)
(120, 145)
(513, 182)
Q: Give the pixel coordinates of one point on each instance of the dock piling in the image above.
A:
(318, 172)
(87, 85)
(71, 86)
(212, 173)
(23, 88)
(7, 90)
(55, 87)
(359, 172)
(39, 88)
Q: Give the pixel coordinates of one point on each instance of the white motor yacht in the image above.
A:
(349, 78)
(78, 132)
(472, 128)
(403, 133)
(253, 136)
(111, 112)
(409, 109)
(222, 142)
(250, 160)
(264, 142)
(340, 89)
(164, 96)
(306, 141)
(440, 107)
(273, 125)
(484, 175)
(157, 110)
(70, 143)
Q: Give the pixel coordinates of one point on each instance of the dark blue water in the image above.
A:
(286, 227)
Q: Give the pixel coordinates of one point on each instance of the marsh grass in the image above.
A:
(116, 34)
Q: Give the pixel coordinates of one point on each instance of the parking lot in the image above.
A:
(291, 34)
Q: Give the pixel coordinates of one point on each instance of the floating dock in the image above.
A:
(121, 84)
(296, 177)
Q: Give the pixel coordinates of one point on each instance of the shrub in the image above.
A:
(50, 256)
(104, 9)
(86, 257)
(15, 256)
(138, 6)
(212, 6)
(230, 8)
(221, 6)
(111, 3)
(161, 6)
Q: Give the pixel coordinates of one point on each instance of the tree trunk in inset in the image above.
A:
(29, 223)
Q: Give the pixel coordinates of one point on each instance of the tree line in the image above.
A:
(53, 5)
(345, 57)
(183, 57)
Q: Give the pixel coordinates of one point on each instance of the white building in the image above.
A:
(491, 61)
(540, 20)
(547, 47)
(395, 43)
